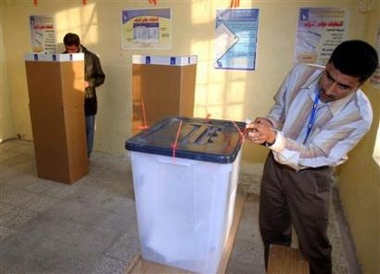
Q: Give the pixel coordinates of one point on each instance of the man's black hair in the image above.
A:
(355, 58)
(71, 39)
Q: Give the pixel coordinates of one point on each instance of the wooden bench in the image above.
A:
(284, 260)
(139, 265)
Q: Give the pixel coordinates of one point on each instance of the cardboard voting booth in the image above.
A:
(163, 86)
(56, 103)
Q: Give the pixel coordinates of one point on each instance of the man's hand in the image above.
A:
(261, 131)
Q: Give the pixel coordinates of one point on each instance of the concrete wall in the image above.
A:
(226, 94)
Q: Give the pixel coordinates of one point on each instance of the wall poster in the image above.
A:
(146, 29)
(320, 30)
(236, 39)
(42, 31)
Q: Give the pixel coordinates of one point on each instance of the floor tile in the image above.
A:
(17, 217)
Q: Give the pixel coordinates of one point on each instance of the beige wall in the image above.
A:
(235, 95)
(6, 121)
(359, 189)
(359, 180)
(224, 94)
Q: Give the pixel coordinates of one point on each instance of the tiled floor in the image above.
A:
(90, 226)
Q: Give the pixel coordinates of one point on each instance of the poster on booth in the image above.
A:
(146, 29)
(42, 31)
(319, 31)
(236, 39)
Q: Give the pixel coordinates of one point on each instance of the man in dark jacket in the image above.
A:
(94, 77)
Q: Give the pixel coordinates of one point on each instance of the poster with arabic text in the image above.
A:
(146, 29)
(42, 31)
(319, 31)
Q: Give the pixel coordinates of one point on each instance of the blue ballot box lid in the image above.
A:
(207, 140)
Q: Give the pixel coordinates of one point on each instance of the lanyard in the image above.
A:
(313, 114)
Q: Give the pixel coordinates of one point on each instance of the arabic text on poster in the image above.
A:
(42, 32)
(320, 30)
(146, 28)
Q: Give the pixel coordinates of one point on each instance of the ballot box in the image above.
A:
(185, 173)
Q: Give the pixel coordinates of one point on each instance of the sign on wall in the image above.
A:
(42, 31)
(146, 28)
(319, 31)
(236, 39)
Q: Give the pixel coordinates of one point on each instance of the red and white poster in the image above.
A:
(320, 30)
(42, 31)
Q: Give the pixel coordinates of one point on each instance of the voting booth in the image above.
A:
(56, 103)
(162, 86)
